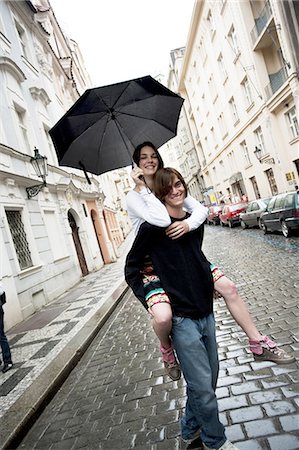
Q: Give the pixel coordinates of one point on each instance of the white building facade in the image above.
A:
(239, 76)
(48, 241)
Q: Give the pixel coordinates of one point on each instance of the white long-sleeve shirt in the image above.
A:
(144, 206)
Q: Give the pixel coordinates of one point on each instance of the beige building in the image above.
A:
(50, 235)
(239, 75)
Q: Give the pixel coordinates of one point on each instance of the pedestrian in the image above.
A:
(6, 354)
(142, 206)
(186, 276)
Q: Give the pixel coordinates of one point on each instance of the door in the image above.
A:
(77, 242)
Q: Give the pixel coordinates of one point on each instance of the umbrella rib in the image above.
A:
(109, 108)
(141, 117)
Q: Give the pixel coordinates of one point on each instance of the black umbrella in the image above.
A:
(101, 130)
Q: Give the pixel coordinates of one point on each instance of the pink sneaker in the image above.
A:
(171, 365)
(267, 350)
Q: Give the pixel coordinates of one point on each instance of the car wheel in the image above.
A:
(243, 225)
(285, 230)
(263, 227)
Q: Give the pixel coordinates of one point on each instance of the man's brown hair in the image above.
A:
(164, 179)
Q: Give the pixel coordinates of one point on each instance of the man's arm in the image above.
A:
(135, 261)
(199, 214)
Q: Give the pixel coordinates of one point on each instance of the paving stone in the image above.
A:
(257, 428)
(234, 433)
(278, 408)
(265, 396)
(246, 414)
(290, 423)
(285, 442)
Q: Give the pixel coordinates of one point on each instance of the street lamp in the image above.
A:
(39, 163)
(258, 154)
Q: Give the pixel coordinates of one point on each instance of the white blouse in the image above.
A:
(144, 206)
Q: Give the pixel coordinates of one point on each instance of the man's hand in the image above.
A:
(139, 182)
(177, 229)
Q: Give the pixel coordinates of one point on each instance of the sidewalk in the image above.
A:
(48, 345)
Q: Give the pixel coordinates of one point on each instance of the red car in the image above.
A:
(213, 215)
(230, 214)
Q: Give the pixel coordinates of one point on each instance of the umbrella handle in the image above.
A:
(85, 173)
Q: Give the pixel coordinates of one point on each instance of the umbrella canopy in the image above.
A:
(101, 130)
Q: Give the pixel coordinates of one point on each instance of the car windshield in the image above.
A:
(237, 206)
(266, 200)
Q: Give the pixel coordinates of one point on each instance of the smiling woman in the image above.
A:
(123, 40)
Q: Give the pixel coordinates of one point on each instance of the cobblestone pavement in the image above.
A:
(46, 346)
(118, 397)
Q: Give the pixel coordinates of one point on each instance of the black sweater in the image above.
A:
(181, 266)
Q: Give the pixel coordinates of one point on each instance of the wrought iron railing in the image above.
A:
(276, 81)
(261, 22)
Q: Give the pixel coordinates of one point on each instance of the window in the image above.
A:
(222, 125)
(212, 88)
(247, 92)
(55, 237)
(279, 202)
(272, 183)
(202, 50)
(211, 24)
(234, 110)
(22, 39)
(221, 67)
(19, 238)
(245, 153)
(233, 41)
(21, 115)
(293, 122)
(289, 201)
(260, 140)
(255, 187)
(50, 144)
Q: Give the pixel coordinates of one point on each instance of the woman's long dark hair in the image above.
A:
(137, 151)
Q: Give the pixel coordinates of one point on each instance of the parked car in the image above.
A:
(213, 215)
(230, 214)
(282, 214)
(251, 217)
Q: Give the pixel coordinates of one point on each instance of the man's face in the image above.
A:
(148, 161)
(176, 195)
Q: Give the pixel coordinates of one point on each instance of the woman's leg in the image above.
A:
(237, 307)
(162, 324)
(262, 347)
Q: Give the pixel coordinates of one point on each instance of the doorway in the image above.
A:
(77, 242)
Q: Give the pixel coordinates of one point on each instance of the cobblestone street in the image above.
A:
(118, 397)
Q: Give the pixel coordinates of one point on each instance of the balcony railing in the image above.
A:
(276, 81)
(261, 22)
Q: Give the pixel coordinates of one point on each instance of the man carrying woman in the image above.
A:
(143, 205)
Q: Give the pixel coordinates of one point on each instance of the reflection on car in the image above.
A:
(282, 214)
(213, 215)
(251, 217)
(230, 214)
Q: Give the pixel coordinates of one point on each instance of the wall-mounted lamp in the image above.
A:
(258, 154)
(39, 163)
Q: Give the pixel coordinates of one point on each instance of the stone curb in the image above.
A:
(17, 421)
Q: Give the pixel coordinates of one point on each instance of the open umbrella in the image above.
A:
(101, 130)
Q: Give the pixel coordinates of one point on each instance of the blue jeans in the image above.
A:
(196, 348)
(3, 339)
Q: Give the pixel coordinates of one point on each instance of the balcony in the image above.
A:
(276, 81)
(261, 24)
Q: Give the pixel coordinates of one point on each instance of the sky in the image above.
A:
(125, 39)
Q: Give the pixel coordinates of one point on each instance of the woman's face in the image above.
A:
(148, 161)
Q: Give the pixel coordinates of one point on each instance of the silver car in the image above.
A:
(251, 217)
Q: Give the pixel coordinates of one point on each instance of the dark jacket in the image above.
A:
(181, 266)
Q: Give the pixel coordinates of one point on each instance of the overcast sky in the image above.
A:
(124, 39)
